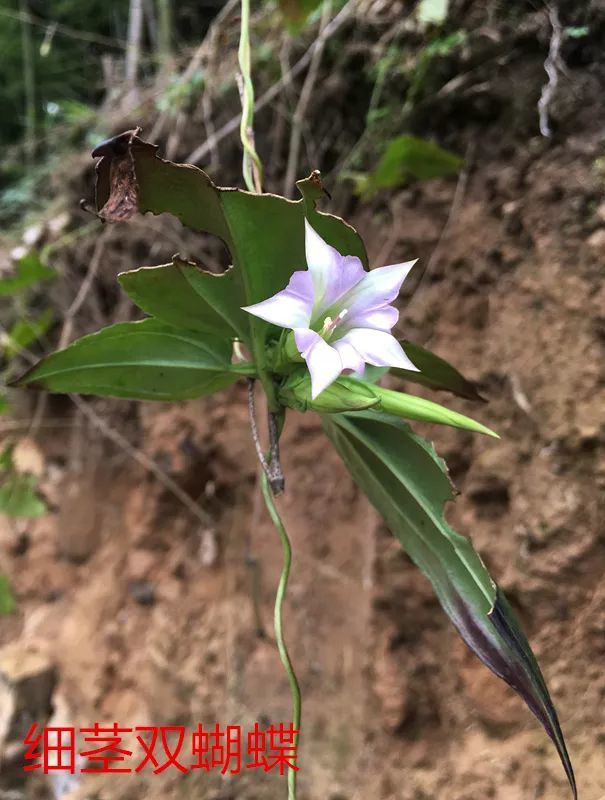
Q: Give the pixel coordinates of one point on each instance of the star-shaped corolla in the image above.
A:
(341, 315)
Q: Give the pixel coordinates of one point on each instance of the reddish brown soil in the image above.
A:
(394, 704)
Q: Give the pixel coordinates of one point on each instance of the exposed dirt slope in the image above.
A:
(149, 615)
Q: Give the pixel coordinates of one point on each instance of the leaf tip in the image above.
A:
(523, 674)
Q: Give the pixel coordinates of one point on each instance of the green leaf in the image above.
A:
(29, 270)
(18, 497)
(408, 484)
(264, 233)
(409, 157)
(435, 373)
(4, 404)
(432, 12)
(185, 296)
(27, 331)
(145, 360)
(7, 599)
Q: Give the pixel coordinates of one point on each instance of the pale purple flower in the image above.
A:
(341, 315)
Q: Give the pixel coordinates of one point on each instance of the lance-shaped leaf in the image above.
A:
(145, 360)
(408, 484)
(186, 296)
(435, 373)
(264, 233)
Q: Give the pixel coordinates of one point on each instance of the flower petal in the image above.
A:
(380, 319)
(333, 274)
(323, 361)
(290, 308)
(378, 348)
(379, 287)
(350, 357)
(349, 273)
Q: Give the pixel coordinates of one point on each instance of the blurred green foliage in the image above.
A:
(26, 331)
(18, 497)
(29, 271)
(180, 93)
(7, 600)
(296, 11)
(22, 323)
(408, 157)
(66, 67)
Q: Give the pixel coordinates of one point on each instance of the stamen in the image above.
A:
(330, 324)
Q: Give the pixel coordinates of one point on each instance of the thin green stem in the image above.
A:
(251, 166)
(278, 622)
(252, 173)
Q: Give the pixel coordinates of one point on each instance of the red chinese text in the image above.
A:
(118, 749)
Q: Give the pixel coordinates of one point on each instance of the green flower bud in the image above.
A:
(417, 408)
(345, 394)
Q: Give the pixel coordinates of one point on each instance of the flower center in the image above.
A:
(330, 324)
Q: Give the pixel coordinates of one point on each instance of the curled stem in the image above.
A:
(251, 166)
(278, 622)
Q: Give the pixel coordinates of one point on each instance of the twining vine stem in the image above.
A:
(251, 166)
(272, 478)
(278, 623)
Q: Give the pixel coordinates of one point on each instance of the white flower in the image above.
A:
(341, 315)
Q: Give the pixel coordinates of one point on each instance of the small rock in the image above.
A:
(512, 214)
(589, 434)
(600, 212)
(27, 683)
(27, 457)
(142, 592)
(597, 240)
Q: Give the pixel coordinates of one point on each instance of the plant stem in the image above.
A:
(251, 165)
(164, 32)
(271, 465)
(272, 481)
(278, 623)
(252, 172)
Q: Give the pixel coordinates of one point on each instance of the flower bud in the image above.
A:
(345, 394)
(417, 408)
